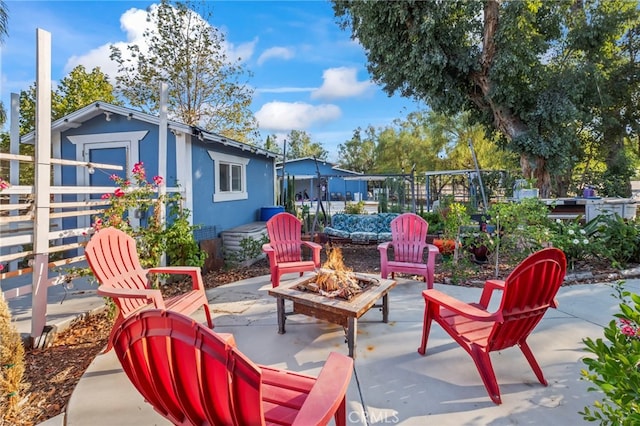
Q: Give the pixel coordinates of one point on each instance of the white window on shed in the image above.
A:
(230, 176)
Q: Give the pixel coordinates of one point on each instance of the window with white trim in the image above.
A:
(230, 177)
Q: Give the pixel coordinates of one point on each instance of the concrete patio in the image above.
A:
(392, 383)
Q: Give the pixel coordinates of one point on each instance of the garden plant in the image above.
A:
(614, 368)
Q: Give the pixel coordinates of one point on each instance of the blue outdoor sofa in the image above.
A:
(361, 228)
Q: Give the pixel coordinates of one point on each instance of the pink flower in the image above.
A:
(118, 192)
(158, 180)
(138, 169)
(1, 267)
(97, 224)
(105, 196)
(126, 183)
(3, 184)
(113, 177)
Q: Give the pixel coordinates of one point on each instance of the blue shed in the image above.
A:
(225, 183)
(319, 179)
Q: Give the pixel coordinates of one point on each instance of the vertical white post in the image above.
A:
(14, 165)
(42, 183)
(163, 128)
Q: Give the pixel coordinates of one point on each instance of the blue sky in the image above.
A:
(307, 73)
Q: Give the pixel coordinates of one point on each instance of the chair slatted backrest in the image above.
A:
(183, 370)
(530, 289)
(113, 258)
(285, 235)
(409, 237)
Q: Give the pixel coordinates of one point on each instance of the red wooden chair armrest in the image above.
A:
(461, 308)
(192, 271)
(154, 296)
(488, 289)
(315, 250)
(383, 248)
(328, 392)
(270, 252)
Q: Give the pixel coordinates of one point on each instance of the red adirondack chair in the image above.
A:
(191, 376)
(284, 248)
(527, 293)
(113, 259)
(408, 241)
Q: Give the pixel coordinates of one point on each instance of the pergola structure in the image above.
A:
(462, 184)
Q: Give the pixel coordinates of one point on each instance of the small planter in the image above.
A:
(480, 254)
(521, 194)
(445, 246)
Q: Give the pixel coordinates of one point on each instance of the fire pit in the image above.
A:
(350, 295)
(334, 279)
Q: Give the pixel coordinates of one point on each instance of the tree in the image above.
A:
(504, 61)
(184, 51)
(271, 144)
(300, 145)
(76, 90)
(358, 153)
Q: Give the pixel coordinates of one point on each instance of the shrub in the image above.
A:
(523, 227)
(11, 365)
(620, 236)
(354, 208)
(615, 370)
(578, 242)
(173, 237)
(249, 249)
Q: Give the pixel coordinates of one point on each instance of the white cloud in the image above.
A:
(242, 52)
(287, 116)
(133, 23)
(341, 83)
(275, 52)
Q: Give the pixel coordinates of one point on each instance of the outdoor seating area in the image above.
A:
(394, 383)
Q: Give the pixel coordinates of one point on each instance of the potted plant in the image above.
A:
(525, 188)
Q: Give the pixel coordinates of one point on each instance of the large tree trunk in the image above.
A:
(504, 119)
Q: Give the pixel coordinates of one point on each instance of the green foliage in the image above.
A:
(435, 221)
(455, 216)
(289, 200)
(621, 238)
(578, 242)
(615, 368)
(175, 237)
(383, 203)
(548, 76)
(300, 145)
(358, 153)
(523, 227)
(354, 208)
(249, 249)
(206, 88)
(76, 90)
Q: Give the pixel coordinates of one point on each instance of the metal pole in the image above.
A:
(475, 162)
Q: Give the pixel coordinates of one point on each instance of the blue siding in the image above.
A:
(230, 214)
(206, 213)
